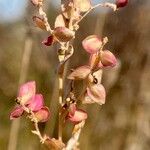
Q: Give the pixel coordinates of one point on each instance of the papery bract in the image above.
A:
(78, 116)
(86, 99)
(43, 114)
(39, 22)
(96, 92)
(16, 112)
(27, 92)
(92, 44)
(60, 21)
(36, 103)
(48, 41)
(121, 3)
(108, 59)
(82, 5)
(80, 73)
(63, 34)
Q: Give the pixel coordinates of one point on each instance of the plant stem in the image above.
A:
(73, 142)
(110, 5)
(60, 106)
(33, 118)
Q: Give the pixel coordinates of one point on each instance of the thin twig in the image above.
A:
(110, 5)
(73, 142)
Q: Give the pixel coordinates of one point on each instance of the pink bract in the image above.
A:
(27, 92)
(36, 103)
(78, 116)
(92, 44)
(16, 112)
(96, 93)
(43, 114)
(80, 73)
(108, 59)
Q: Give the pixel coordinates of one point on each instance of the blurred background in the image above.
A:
(123, 123)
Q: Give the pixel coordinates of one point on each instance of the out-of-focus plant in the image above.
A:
(63, 33)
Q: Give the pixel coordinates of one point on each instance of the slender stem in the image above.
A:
(60, 106)
(73, 142)
(33, 118)
(111, 5)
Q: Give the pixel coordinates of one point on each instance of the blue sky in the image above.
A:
(12, 10)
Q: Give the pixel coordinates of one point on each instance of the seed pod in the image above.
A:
(63, 34)
(39, 22)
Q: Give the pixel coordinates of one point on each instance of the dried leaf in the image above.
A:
(80, 73)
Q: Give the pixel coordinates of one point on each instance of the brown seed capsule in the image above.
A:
(63, 34)
(39, 22)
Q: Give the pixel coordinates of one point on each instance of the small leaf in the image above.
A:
(108, 59)
(39, 22)
(63, 34)
(27, 92)
(78, 116)
(48, 41)
(80, 73)
(97, 93)
(16, 112)
(36, 103)
(92, 44)
(82, 5)
(43, 114)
